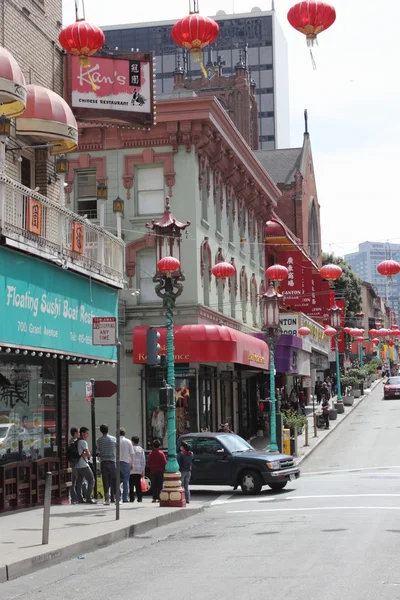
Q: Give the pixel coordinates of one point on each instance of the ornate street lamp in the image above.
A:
(168, 280)
(272, 333)
(335, 324)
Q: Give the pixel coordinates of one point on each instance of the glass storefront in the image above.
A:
(28, 409)
(185, 399)
(207, 398)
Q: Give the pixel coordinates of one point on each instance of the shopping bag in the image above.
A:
(143, 485)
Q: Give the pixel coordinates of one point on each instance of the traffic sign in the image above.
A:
(105, 389)
(89, 391)
(104, 331)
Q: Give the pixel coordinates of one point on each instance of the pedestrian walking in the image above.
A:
(83, 469)
(185, 459)
(317, 390)
(73, 458)
(156, 464)
(137, 471)
(326, 407)
(126, 463)
(106, 449)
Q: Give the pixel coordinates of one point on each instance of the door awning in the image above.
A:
(49, 119)
(206, 344)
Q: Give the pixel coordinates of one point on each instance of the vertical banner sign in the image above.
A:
(78, 237)
(34, 216)
(89, 391)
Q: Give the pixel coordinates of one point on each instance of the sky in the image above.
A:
(352, 100)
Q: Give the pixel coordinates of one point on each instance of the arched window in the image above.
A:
(313, 236)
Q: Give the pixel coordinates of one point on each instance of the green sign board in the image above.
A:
(45, 307)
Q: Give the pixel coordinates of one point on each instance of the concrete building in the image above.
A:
(365, 261)
(57, 270)
(256, 36)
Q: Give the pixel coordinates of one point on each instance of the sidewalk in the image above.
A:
(262, 443)
(75, 530)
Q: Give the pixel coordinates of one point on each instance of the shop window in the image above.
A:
(226, 389)
(86, 193)
(28, 410)
(186, 404)
(150, 191)
(208, 398)
(147, 268)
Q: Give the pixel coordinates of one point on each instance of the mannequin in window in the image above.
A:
(158, 423)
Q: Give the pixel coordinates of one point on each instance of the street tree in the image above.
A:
(348, 286)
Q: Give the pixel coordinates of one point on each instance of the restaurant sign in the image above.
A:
(112, 88)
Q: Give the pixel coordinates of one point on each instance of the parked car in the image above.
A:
(391, 388)
(227, 459)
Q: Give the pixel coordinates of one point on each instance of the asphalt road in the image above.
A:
(334, 535)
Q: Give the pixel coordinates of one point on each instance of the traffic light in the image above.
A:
(152, 346)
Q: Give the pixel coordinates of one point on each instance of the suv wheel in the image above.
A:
(277, 486)
(250, 482)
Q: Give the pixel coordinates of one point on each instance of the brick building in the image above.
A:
(291, 169)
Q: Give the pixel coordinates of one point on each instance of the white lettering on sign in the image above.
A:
(104, 331)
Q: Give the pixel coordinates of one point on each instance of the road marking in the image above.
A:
(355, 470)
(265, 510)
(219, 502)
(343, 496)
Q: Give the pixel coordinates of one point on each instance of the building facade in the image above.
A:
(255, 37)
(57, 270)
(365, 261)
(196, 157)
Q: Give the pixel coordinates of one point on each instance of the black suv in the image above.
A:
(227, 459)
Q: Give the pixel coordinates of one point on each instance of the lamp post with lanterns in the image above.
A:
(272, 332)
(168, 280)
(335, 324)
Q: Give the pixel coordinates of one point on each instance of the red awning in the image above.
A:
(207, 344)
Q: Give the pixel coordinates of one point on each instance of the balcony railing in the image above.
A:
(53, 230)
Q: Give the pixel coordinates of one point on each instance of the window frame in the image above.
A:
(90, 212)
(142, 168)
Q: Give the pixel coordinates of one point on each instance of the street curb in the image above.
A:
(331, 430)
(53, 557)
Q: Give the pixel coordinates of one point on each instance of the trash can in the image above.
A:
(286, 441)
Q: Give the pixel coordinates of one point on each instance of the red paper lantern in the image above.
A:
(277, 273)
(82, 39)
(347, 329)
(330, 272)
(222, 270)
(395, 327)
(375, 341)
(390, 343)
(311, 18)
(194, 33)
(372, 332)
(395, 333)
(330, 331)
(359, 339)
(382, 332)
(168, 264)
(354, 332)
(303, 331)
(388, 268)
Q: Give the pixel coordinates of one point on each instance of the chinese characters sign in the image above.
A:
(123, 88)
(304, 290)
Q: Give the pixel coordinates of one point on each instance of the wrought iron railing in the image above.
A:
(37, 223)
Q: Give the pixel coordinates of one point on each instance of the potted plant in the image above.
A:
(348, 396)
(296, 424)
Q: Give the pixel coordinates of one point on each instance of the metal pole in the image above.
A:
(338, 383)
(93, 426)
(172, 464)
(46, 508)
(273, 446)
(118, 449)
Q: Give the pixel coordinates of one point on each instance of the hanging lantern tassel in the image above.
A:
(84, 61)
(314, 64)
(197, 55)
